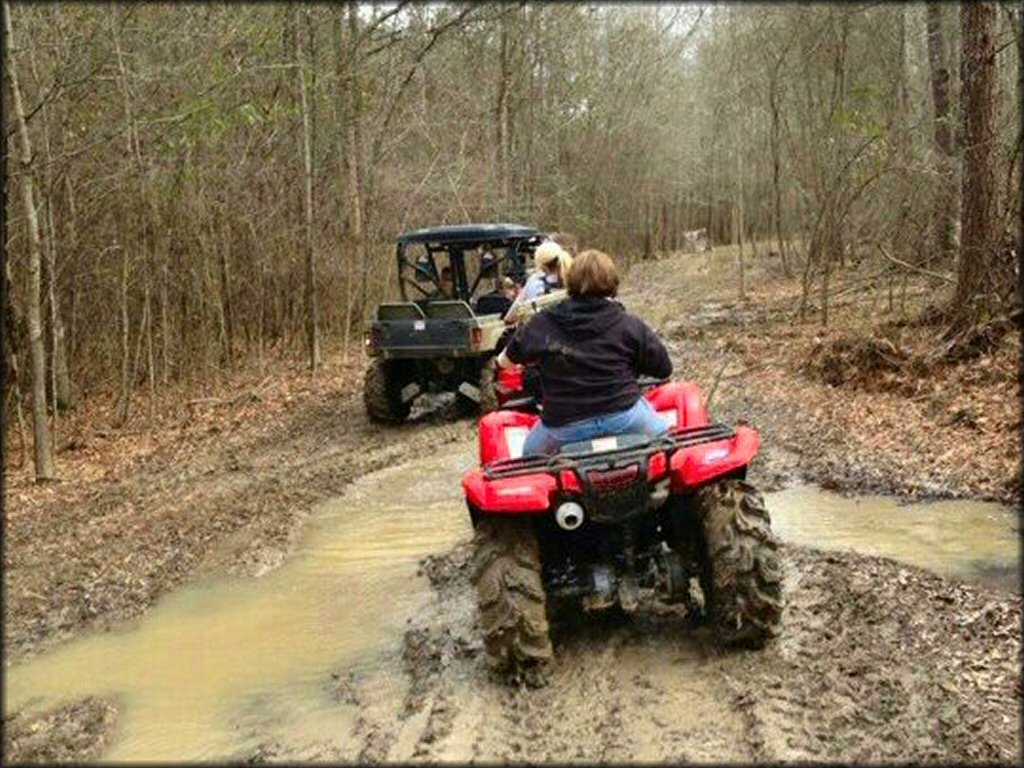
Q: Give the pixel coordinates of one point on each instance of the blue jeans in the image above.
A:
(640, 419)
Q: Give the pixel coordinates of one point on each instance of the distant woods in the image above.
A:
(191, 187)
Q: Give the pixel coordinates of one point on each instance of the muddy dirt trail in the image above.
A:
(344, 653)
(359, 641)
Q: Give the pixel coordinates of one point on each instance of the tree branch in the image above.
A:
(911, 267)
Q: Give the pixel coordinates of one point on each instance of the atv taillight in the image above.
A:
(476, 337)
(569, 481)
(613, 478)
(657, 466)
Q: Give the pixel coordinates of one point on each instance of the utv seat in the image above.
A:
(493, 304)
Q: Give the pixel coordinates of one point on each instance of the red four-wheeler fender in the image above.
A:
(679, 403)
(502, 434)
(699, 464)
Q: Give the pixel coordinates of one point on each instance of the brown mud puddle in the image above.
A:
(973, 541)
(217, 667)
(314, 660)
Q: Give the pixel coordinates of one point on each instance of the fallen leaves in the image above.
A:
(865, 402)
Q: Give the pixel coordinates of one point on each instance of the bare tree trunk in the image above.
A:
(73, 247)
(830, 239)
(805, 279)
(61, 375)
(14, 389)
(347, 253)
(44, 464)
(164, 320)
(127, 368)
(501, 117)
(353, 143)
(946, 197)
(312, 338)
(738, 149)
(49, 247)
(12, 375)
(647, 229)
(225, 296)
(139, 339)
(663, 226)
(59, 382)
(776, 170)
(147, 311)
(739, 224)
(125, 396)
(974, 296)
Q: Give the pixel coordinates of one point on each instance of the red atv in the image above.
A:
(609, 521)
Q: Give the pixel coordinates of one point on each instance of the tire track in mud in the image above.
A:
(876, 662)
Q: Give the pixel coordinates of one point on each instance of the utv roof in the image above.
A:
(468, 233)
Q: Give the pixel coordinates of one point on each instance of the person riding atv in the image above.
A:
(615, 488)
(589, 353)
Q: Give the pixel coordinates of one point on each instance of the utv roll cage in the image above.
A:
(509, 244)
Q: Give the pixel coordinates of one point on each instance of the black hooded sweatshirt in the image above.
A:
(590, 352)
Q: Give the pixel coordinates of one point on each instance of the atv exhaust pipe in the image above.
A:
(569, 516)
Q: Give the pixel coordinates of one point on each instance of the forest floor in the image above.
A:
(878, 661)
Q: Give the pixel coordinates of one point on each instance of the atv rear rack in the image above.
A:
(676, 439)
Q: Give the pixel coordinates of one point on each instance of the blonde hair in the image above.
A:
(550, 252)
(593, 273)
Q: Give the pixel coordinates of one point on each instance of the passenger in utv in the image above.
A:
(446, 288)
(590, 352)
(553, 263)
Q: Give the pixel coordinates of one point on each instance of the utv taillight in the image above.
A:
(657, 466)
(476, 337)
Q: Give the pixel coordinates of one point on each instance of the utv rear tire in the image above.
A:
(382, 394)
(465, 406)
(742, 578)
(510, 593)
(488, 392)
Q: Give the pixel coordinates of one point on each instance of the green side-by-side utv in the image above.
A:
(442, 335)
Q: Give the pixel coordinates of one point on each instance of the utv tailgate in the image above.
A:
(447, 329)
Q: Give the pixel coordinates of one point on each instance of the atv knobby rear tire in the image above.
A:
(510, 593)
(382, 394)
(742, 578)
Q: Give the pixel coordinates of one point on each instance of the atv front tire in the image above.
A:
(510, 593)
(742, 578)
(382, 394)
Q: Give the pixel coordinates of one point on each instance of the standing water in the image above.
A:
(216, 668)
(971, 540)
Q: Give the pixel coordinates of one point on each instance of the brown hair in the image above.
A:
(568, 241)
(593, 273)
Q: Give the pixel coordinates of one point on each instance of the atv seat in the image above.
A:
(606, 443)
